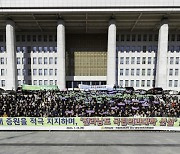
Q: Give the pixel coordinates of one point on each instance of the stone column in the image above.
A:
(161, 68)
(111, 53)
(61, 82)
(11, 80)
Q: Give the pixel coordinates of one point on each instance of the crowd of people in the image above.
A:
(88, 104)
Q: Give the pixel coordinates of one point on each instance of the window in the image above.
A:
(40, 82)
(143, 72)
(137, 83)
(122, 37)
(40, 49)
(40, 72)
(143, 83)
(149, 60)
(171, 60)
(40, 60)
(34, 49)
(2, 49)
(170, 72)
(23, 38)
(29, 60)
(154, 60)
(24, 72)
(133, 48)
(45, 38)
(35, 82)
(18, 60)
(139, 49)
(127, 60)
(45, 72)
(132, 72)
(121, 72)
(133, 37)
(34, 60)
(3, 83)
(50, 72)
(34, 38)
(144, 48)
(29, 72)
(178, 37)
(34, 72)
(24, 49)
(137, 72)
(153, 83)
(18, 49)
(45, 60)
(23, 60)
(128, 38)
(50, 49)
(55, 38)
(45, 49)
(156, 37)
(139, 37)
(138, 60)
(55, 60)
(173, 37)
(150, 37)
(175, 83)
(132, 83)
(127, 72)
(177, 60)
(39, 38)
(50, 60)
(55, 72)
(2, 72)
(148, 83)
(170, 83)
(121, 83)
(132, 60)
(121, 60)
(55, 49)
(176, 72)
(149, 48)
(50, 38)
(148, 72)
(28, 38)
(144, 60)
(45, 82)
(126, 83)
(51, 82)
(117, 38)
(144, 37)
(17, 38)
(18, 72)
(1, 38)
(55, 82)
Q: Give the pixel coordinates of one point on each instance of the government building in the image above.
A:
(94, 42)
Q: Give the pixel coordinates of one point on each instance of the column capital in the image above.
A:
(112, 21)
(164, 20)
(10, 22)
(61, 21)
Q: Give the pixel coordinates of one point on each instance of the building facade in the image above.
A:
(128, 43)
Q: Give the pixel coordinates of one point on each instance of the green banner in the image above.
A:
(42, 87)
(89, 121)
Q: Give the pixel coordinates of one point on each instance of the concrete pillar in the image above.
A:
(111, 54)
(61, 82)
(161, 68)
(11, 80)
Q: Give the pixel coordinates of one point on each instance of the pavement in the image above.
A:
(89, 142)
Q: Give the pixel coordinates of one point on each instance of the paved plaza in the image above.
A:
(91, 142)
